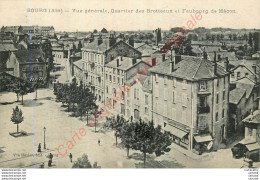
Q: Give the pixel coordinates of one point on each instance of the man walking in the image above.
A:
(99, 142)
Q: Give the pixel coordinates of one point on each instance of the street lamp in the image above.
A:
(44, 129)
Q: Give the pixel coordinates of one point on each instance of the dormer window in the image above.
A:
(203, 86)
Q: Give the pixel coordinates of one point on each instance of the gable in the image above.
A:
(242, 68)
(122, 49)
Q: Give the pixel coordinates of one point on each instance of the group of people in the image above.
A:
(50, 156)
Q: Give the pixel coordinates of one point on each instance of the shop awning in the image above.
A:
(203, 138)
(252, 147)
(247, 141)
(175, 131)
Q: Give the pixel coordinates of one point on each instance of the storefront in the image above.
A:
(179, 136)
(203, 143)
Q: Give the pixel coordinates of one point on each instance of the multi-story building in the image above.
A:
(190, 100)
(28, 65)
(5, 50)
(243, 100)
(42, 30)
(245, 69)
(139, 100)
(96, 54)
(118, 73)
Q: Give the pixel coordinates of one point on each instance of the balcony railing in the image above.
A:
(202, 110)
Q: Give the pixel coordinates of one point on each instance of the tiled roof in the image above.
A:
(248, 87)
(94, 45)
(137, 45)
(212, 49)
(125, 63)
(190, 68)
(197, 50)
(146, 83)
(27, 56)
(79, 63)
(236, 95)
(253, 118)
(223, 55)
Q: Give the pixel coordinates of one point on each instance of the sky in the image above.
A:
(246, 14)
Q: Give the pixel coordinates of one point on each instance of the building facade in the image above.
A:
(28, 65)
(96, 54)
(190, 101)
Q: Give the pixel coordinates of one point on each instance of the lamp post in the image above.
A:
(44, 129)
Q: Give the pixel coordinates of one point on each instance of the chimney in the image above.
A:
(172, 64)
(163, 57)
(100, 41)
(226, 63)
(215, 63)
(254, 68)
(117, 63)
(154, 61)
(91, 39)
(133, 61)
(112, 40)
(131, 41)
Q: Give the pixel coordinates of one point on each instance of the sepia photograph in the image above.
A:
(129, 84)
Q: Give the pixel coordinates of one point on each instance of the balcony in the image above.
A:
(202, 110)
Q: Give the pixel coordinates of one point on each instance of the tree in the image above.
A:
(256, 41)
(118, 126)
(15, 87)
(148, 139)
(250, 39)
(17, 117)
(104, 30)
(24, 89)
(35, 87)
(83, 162)
(127, 135)
(95, 31)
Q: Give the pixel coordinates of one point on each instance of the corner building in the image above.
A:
(190, 101)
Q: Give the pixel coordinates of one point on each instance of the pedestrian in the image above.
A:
(49, 163)
(51, 156)
(70, 157)
(39, 147)
(99, 142)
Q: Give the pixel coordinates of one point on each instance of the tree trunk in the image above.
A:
(116, 140)
(68, 107)
(144, 158)
(22, 99)
(95, 125)
(17, 125)
(36, 94)
(87, 118)
(127, 152)
(17, 95)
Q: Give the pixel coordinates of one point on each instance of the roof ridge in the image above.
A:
(197, 69)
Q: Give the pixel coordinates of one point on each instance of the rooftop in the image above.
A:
(27, 56)
(253, 118)
(236, 95)
(190, 68)
(124, 63)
